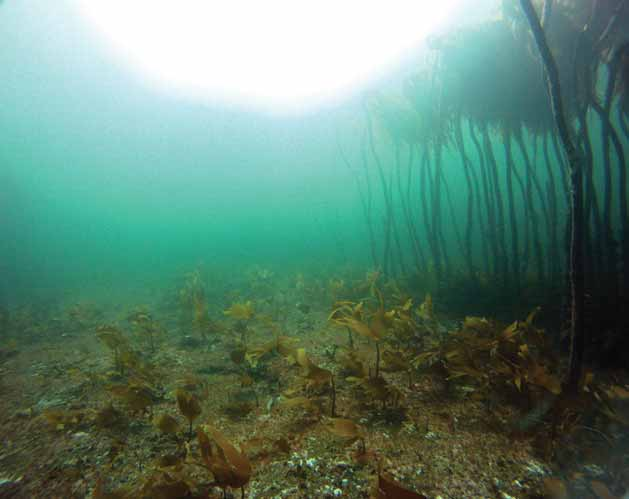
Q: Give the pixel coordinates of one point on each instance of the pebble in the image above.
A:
(330, 491)
(287, 493)
(431, 435)
(44, 404)
(534, 468)
(10, 487)
(593, 470)
(24, 413)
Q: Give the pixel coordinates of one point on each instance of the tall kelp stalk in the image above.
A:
(425, 196)
(402, 129)
(577, 278)
(598, 37)
(610, 137)
(501, 257)
(390, 227)
(553, 209)
(619, 79)
(533, 184)
(472, 200)
(471, 184)
(515, 245)
(370, 146)
(488, 199)
(404, 194)
(365, 196)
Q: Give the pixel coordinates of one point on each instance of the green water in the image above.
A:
(178, 273)
(110, 181)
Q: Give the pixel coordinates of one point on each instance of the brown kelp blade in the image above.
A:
(230, 467)
(388, 488)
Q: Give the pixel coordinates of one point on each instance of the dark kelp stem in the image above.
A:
(436, 209)
(409, 203)
(460, 145)
(404, 202)
(350, 339)
(455, 224)
(438, 181)
(525, 257)
(614, 67)
(364, 196)
(553, 211)
(333, 402)
(489, 207)
(582, 68)
(482, 223)
(610, 279)
(388, 219)
(610, 135)
(425, 197)
(396, 234)
(515, 245)
(502, 263)
(530, 167)
(531, 184)
(593, 249)
(577, 331)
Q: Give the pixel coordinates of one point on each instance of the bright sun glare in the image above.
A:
(271, 53)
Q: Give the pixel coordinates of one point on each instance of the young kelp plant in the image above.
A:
(242, 314)
(188, 406)
(147, 328)
(372, 326)
(229, 466)
(316, 377)
(113, 339)
(137, 396)
(348, 431)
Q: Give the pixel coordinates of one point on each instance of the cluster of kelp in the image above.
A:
(385, 349)
(480, 115)
(274, 369)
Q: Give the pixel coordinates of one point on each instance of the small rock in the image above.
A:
(518, 484)
(45, 404)
(593, 471)
(10, 487)
(534, 468)
(24, 413)
(431, 435)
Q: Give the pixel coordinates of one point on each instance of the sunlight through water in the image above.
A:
(272, 53)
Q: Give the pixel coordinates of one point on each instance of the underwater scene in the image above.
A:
(314, 249)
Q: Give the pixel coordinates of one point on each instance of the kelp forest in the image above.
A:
(473, 344)
(500, 241)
